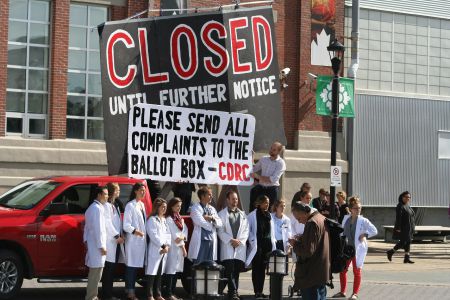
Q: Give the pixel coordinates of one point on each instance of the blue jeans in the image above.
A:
(318, 292)
(130, 279)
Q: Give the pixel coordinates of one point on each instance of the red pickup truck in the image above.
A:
(41, 228)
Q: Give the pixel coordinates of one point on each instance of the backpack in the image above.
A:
(338, 248)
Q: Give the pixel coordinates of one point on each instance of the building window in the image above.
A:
(84, 91)
(402, 53)
(444, 144)
(28, 63)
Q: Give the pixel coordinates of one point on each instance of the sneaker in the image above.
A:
(339, 295)
(354, 297)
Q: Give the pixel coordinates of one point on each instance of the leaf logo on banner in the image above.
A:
(324, 97)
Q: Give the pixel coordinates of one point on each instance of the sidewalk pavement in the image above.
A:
(428, 278)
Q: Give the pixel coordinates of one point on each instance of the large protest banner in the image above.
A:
(184, 144)
(222, 61)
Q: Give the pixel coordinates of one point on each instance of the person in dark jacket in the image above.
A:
(343, 206)
(306, 187)
(404, 227)
(313, 254)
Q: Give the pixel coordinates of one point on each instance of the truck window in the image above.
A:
(77, 198)
(27, 194)
(125, 191)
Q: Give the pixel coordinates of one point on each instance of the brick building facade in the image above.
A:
(293, 31)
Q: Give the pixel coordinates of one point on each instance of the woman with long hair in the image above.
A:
(177, 252)
(135, 240)
(404, 227)
(160, 241)
(357, 230)
(262, 241)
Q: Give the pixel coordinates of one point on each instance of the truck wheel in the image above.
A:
(186, 277)
(11, 274)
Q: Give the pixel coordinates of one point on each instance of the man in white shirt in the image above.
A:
(95, 238)
(271, 166)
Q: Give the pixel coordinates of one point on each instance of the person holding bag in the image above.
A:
(356, 230)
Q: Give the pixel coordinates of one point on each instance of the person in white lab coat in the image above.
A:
(233, 237)
(158, 247)
(135, 238)
(114, 238)
(94, 237)
(203, 245)
(177, 252)
(282, 226)
(262, 241)
(356, 229)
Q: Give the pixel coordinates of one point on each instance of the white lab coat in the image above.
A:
(199, 223)
(95, 235)
(286, 230)
(175, 258)
(113, 228)
(135, 246)
(226, 234)
(297, 228)
(253, 247)
(363, 226)
(159, 234)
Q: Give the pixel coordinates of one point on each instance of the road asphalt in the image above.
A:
(428, 278)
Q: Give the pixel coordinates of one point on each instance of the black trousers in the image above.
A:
(232, 271)
(403, 244)
(259, 265)
(108, 277)
(154, 283)
(270, 191)
(169, 283)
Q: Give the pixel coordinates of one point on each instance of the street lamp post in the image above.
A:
(336, 52)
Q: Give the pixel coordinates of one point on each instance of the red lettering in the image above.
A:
(257, 23)
(237, 172)
(237, 45)
(215, 48)
(230, 171)
(175, 51)
(244, 172)
(119, 81)
(221, 175)
(149, 78)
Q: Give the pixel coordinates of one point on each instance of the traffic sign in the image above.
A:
(336, 176)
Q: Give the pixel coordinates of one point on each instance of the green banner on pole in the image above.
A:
(346, 96)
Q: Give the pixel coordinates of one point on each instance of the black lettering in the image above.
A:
(134, 145)
(176, 120)
(202, 145)
(136, 114)
(184, 168)
(191, 126)
(169, 124)
(200, 173)
(134, 163)
(230, 127)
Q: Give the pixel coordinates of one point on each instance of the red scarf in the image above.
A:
(178, 220)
